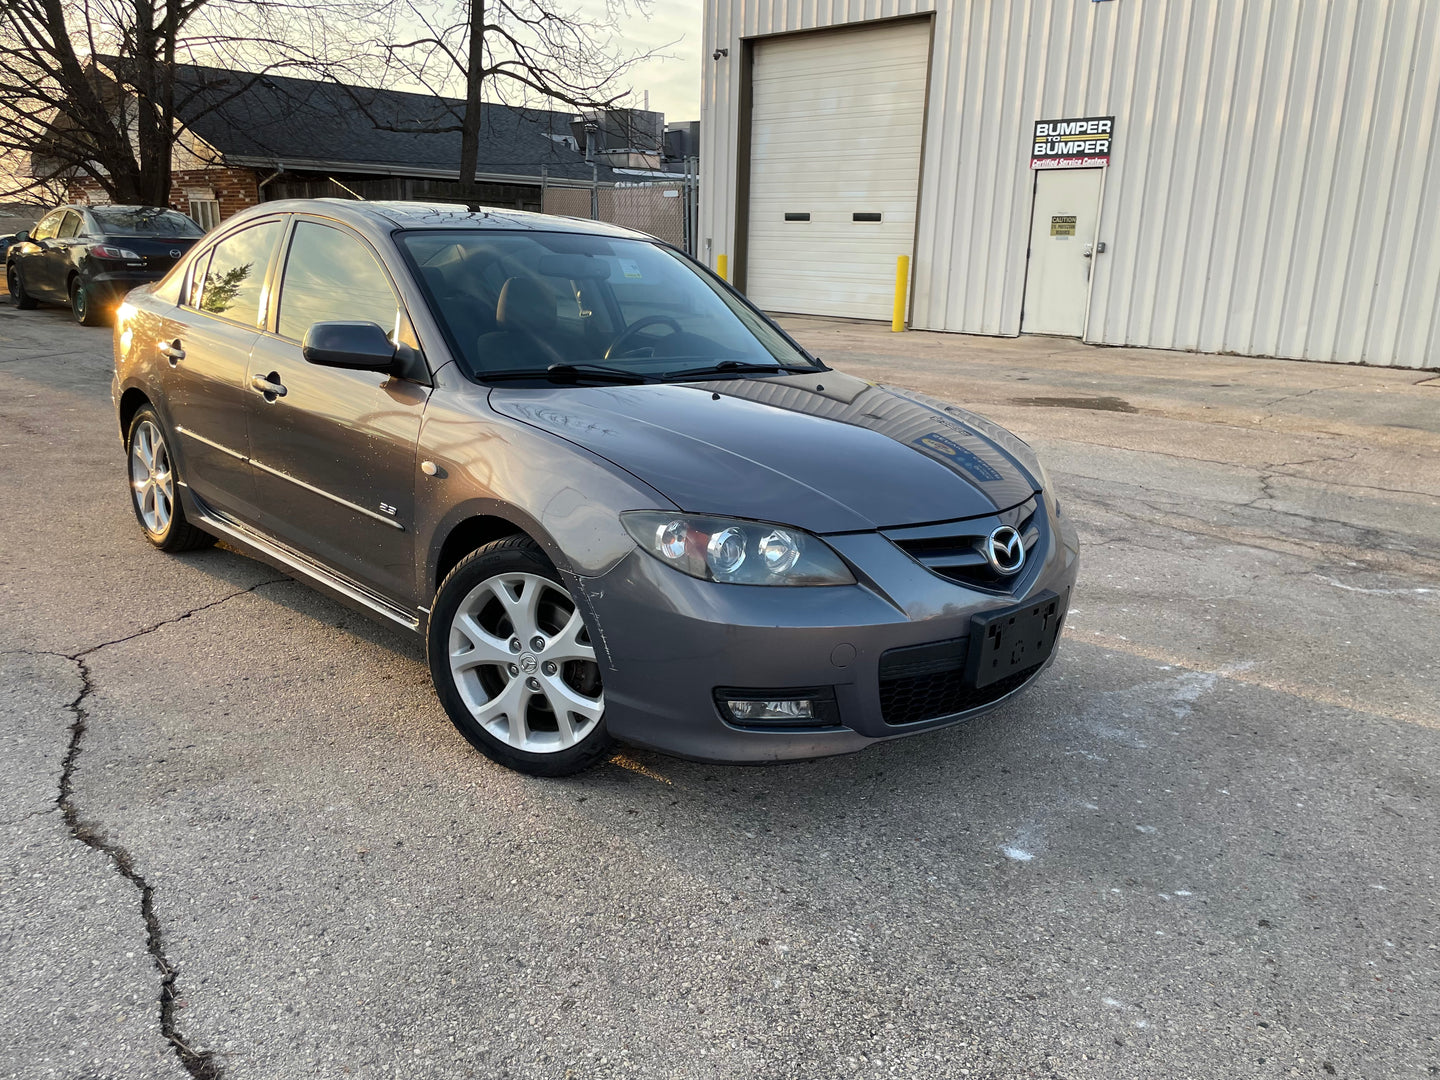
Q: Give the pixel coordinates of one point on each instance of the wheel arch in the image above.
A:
(463, 537)
(131, 402)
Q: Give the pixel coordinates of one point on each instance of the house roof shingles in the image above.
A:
(272, 120)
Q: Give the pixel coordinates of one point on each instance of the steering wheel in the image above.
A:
(635, 327)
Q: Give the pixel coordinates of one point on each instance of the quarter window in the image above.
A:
(234, 280)
(330, 276)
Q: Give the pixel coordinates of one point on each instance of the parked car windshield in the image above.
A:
(143, 221)
(516, 302)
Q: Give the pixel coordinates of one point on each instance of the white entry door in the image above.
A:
(1063, 230)
(837, 120)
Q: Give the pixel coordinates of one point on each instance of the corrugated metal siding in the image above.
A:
(1275, 188)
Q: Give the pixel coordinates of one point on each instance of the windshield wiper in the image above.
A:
(566, 373)
(739, 367)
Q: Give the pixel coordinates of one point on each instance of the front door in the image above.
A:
(41, 267)
(1063, 230)
(334, 455)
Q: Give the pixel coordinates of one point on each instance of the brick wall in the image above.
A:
(234, 189)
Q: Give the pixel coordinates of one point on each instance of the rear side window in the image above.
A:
(48, 224)
(70, 226)
(235, 277)
(331, 276)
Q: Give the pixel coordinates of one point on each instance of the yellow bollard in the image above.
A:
(722, 266)
(902, 281)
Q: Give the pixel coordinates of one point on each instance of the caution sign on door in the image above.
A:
(1074, 143)
(1062, 225)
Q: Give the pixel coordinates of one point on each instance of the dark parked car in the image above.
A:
(90, 256)
(615, 499)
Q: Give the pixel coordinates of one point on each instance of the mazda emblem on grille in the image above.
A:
(1005, 550)
(174, 253)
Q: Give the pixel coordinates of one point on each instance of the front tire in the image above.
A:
(153, 485)
(513, 663)
(82, 305)
(18, 296)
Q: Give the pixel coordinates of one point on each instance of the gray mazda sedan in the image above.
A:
(618, 502)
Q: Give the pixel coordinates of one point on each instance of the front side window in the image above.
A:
(330, 276)
(234, 280)
(528, 301)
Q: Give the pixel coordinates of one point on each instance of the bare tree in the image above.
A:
(532, 52)
(93, 87)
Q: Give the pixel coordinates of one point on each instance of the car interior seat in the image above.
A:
(524, 337)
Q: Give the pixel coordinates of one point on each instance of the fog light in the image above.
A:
(772, 710)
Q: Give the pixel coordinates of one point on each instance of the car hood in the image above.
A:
(826, 452)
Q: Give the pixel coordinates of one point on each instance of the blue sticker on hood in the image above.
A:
(937, 445)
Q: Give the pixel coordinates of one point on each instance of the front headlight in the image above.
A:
(736, 552)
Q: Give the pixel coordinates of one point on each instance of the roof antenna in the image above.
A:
(342, 187)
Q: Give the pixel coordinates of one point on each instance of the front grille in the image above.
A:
(926, 682)
(955, 549)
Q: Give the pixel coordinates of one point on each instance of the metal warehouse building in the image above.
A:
(1249, 176)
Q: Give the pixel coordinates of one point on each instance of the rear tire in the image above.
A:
(153, 487)
(513, 664)
(82, 305)
(16, 284)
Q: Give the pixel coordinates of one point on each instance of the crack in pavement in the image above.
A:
(200, 1064)
(174, 619)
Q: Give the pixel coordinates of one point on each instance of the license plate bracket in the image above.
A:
(1013, 639)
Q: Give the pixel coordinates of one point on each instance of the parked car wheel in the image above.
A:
(18, 296)
(81, 306)
(153, 484)
(513, 663)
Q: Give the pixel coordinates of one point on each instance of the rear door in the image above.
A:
(59, 259)
(208, 349)
(334, 456)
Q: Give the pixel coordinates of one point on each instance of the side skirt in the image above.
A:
(301, 567)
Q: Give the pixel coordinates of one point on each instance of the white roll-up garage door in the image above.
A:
(837, 120)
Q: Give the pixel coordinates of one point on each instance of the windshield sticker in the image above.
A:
(630, 268)
(936, 443)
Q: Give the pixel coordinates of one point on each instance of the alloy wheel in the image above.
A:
(524, 665)
(152, 482)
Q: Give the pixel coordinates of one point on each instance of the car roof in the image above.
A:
(389, 215)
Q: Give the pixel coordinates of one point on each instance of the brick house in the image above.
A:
(252, 138)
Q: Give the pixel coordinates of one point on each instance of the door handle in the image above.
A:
(172, 351)
(269, 385)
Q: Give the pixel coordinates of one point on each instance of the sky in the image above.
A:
(674, 78)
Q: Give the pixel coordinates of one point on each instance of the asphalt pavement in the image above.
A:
(241, 839)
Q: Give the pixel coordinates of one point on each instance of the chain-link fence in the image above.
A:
(666, 209)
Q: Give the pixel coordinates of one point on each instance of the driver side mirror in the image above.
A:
(21, 237)
(359, 346)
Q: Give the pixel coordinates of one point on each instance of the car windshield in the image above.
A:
(143, 221)
(516, 302)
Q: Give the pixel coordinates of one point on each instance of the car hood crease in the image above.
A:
(825, 452)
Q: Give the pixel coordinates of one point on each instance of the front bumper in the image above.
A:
(667, 641)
